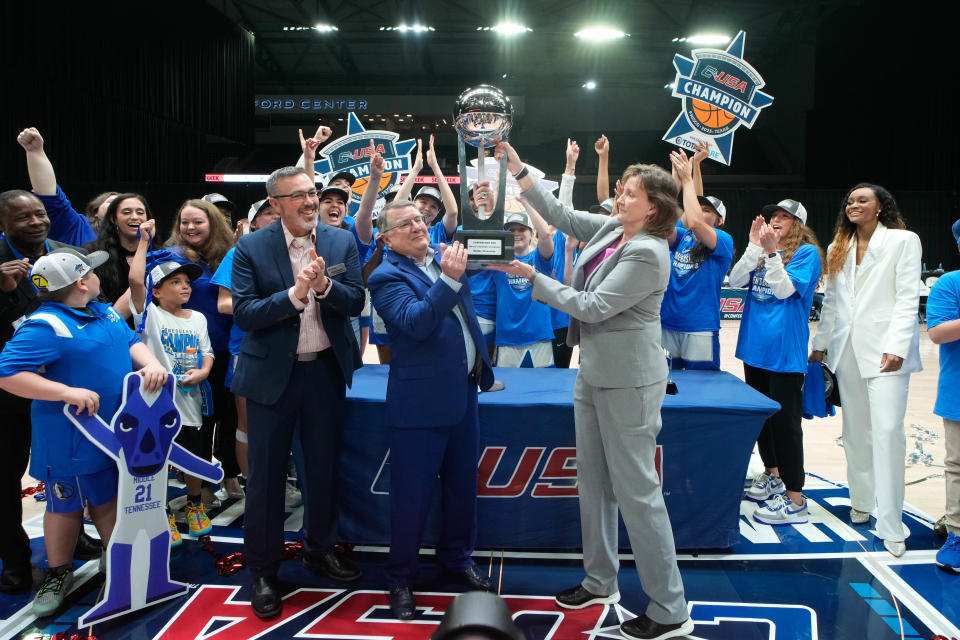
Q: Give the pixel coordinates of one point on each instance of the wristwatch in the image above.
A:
(772, 254)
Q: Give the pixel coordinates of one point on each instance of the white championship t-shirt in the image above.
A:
(180, 345)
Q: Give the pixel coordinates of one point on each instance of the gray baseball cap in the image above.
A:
(717, 205)
(62, 267)
(517, 217)
(792, 207)
(606, 205)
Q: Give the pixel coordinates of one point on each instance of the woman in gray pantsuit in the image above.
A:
(614, 307)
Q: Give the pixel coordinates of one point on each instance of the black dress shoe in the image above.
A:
(643, 628)
(578, 598)
(333, 564)
(474, 578)
(265, 599)
(401, 603)
(88, 547)
(16, 579)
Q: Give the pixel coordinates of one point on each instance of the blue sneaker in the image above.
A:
(764, 487)
(779, 510)
(949, 555)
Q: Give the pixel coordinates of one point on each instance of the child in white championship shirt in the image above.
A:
(178, 338)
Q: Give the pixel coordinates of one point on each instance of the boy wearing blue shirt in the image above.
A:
(75, 351)
(943, 327)
(524, 333)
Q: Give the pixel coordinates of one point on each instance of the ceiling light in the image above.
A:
(325, 28)
(705, 39)
(590, 85)
(599, 33)
(507, 29)
(669, 86)
(414, 28)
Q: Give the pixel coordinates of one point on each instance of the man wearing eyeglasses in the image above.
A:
(423, 296)
(295, 286)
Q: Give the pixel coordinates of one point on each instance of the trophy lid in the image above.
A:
(482, 114)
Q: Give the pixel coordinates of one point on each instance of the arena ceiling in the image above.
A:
(362, 54)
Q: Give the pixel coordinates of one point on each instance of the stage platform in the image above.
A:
(825, 579)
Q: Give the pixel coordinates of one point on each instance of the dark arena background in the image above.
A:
(158, 98)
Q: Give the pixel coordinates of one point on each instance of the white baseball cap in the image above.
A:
(792, 207)
(62, 267)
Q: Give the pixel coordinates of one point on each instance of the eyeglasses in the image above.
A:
(298, 196)
(407, 223)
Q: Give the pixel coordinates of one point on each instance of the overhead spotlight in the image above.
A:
(414, 28)
(297, 28)
(504, 76)
(325, 28)
(669, 86)
(507, 29)
(705, 39)
(599, 33)
(589, 85)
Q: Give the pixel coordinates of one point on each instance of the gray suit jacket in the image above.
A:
(615, 313)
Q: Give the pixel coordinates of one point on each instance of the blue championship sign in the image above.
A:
(352, 153)
(720, 92)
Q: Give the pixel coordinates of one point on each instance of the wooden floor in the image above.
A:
(823, 456)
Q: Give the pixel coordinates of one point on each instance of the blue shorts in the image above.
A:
(67, 494)
(228, 379)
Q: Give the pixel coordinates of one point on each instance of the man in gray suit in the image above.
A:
(614, 307)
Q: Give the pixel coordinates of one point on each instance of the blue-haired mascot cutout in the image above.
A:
(140, 438)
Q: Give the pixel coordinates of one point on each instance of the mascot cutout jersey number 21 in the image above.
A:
(140, 438)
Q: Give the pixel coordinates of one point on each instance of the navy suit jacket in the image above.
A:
(428, 385)
(262, 308)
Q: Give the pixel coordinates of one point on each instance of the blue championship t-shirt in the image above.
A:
(692, 299)
(943, 305)
(521, 320)
(78, 350)
(222, 278)
(774, 333)
(558, 318)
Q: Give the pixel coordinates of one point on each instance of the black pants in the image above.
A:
(561, 352)
(14, 453)
(225, 416)
(781, 441)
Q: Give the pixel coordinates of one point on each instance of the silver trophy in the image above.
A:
(482, 117)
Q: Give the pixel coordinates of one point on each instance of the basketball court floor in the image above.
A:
(824, 579)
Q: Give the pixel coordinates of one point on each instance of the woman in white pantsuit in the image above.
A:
(868, 336)
(614, 306)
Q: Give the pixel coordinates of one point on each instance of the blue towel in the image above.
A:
(814, 394)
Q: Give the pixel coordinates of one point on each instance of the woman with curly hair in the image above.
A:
(201, 235)
(869, 337)
(780, 268)
(118, 236)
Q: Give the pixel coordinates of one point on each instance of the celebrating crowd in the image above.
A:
(263, 324)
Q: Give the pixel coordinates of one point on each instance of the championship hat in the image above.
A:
(219, 199)
(606, 206)
(517, 217)
(256, 208)
(166, 269)
(792, 207)
(344, 175)
(429, 192)
(338, 190)
(62, 267)
(720, 208)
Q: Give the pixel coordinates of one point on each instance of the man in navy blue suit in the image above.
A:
(295, 286)
(422, 295)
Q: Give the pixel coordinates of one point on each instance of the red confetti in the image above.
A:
(59, 635)
(39, 488)
(293, 550)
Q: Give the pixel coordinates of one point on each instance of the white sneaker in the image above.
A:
(779, 510)
(895, 548)
(292, 498)
(859, 517)
(764, 487)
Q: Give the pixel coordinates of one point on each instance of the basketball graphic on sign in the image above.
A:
(360, 186)
(710, 116)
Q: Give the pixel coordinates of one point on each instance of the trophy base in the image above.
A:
(486, 246)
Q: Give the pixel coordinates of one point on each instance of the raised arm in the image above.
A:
(138, 267)
(309, 146)
(544, 234)
(693, 219)
(569, 173)
(407, 187)
(446, 193)
(43, 180)
(602, 147)
(364, 218)
(740, 273)
(701, 153)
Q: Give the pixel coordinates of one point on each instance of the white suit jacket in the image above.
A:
(876, 307)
